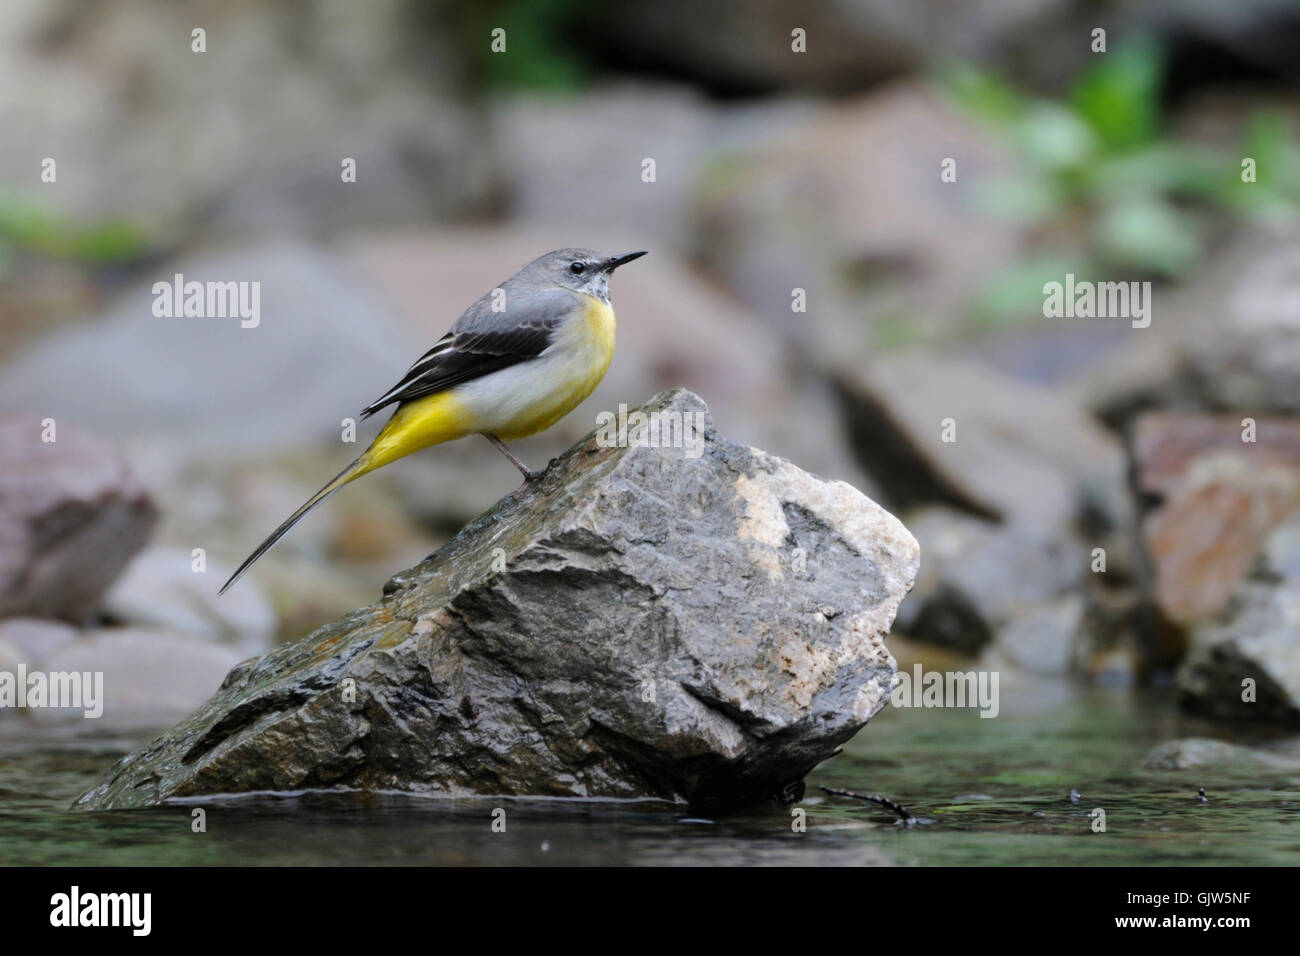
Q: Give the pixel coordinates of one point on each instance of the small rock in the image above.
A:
(653, 634)
(1166, 445)
(71, 516)
(1250, 650)
(1198, 753)
(1220, 498)
(1247, 665)
(151, 678)
(1203, 539)
(984, 584)
(161, 590)
(34, 639)
(1248, 356)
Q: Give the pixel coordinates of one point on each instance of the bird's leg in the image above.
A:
(528, 473)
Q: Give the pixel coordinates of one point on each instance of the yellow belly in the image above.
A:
(419, 424)
(587, 347)
(513, 403)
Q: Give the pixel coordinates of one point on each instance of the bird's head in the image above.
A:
(582, 270)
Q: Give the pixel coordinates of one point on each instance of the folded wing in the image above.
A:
(481, 342)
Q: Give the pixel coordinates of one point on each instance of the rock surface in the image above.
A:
(1014, 452)
(1253, 641)
(1200, 753)
(1221, 497)
(320, 346)
(160, 589)
(988, 584)
(151, 676)
(643, 622)
(71, 516)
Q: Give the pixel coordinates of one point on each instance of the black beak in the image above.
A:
(624, 259)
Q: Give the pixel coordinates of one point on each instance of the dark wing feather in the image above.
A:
(482, 342)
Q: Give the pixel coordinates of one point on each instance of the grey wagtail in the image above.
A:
(516, 362)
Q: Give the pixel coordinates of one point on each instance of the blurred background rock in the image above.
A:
(775, 171)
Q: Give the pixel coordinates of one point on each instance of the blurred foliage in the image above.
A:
(1105, 188)
(538, 53)
(27, 228)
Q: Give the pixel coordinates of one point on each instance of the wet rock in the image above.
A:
(71, 516)
(1220, 498)
(1245, 664)
(1197, 753)
(161, 589)
(641, 623)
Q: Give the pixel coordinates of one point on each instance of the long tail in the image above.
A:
(354, 470)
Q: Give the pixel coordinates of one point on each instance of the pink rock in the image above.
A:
(71, 516)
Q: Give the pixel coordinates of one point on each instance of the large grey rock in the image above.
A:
(71, 516)
(321, 349)
(641, 623)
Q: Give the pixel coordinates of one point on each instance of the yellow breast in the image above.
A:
(600, 334)
(579, 359)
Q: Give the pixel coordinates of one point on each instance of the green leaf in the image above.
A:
(1022, 199)
(981, 93)
(1151, 235)
(1052, 136)
(1119, 96)
(1016, 294)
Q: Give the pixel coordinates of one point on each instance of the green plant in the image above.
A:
(26, 227)
(1103, 185)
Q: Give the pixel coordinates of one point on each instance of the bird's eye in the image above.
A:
(577, 268)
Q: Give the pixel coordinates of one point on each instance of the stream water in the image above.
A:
(993, 791)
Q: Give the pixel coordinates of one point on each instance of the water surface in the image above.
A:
(995, 791)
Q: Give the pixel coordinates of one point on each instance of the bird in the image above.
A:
(516, 361)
